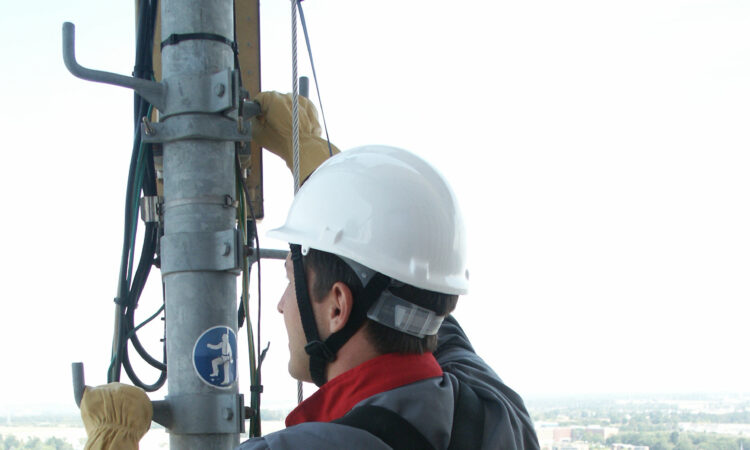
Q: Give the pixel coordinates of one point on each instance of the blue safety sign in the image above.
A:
(214, 357)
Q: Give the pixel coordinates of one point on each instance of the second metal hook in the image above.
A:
(152, 91)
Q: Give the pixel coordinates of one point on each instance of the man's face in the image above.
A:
(299, 365)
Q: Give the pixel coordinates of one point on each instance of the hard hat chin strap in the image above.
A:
(323, 352)
(319, 356)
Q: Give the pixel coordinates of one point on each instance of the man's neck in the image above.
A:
(356, 351)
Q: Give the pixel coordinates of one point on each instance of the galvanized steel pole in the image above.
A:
(199, 176)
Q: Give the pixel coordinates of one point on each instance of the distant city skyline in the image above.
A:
(613, 422)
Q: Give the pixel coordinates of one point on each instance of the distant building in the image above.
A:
(551, 436)
(562, 434)
(545, 434)
(629, 447)
(568, 446)
(580, 433)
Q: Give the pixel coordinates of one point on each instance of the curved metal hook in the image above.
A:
(152, 91)
(162, 413)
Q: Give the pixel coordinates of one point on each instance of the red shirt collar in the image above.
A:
(386, 372)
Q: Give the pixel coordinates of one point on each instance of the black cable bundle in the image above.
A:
(129, 293)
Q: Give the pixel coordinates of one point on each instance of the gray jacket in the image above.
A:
(428, 405)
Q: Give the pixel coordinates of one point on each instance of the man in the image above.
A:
(376, 265)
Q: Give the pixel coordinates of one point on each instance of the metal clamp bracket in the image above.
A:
(200, 251)
(218, 413)
(208, 127)
(206, 93)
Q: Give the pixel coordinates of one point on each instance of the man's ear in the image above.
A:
(339, 306)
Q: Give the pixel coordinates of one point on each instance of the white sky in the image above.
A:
(599, 149)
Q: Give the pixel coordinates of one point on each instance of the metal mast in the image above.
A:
(201, 251)
(199, 247)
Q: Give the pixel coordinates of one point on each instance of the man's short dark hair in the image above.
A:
(325, 269)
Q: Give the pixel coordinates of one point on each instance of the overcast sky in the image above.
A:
(599, 150)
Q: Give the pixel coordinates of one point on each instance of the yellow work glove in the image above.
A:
(116, 416)
(272, 129)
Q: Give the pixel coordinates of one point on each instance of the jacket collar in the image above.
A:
(386, 372)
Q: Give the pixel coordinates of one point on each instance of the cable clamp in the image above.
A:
(229, 202)
(145, 72)
(176, 38)
(151, 208)
(258, 389)
(225, 201)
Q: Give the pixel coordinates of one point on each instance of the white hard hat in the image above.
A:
(387, 209)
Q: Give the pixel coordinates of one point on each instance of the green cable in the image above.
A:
(134, 330)
(242, 225)
(135, 198)
(152, 317)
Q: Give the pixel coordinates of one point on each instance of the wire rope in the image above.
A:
(295, 101)
(295, 127)
(315, 75)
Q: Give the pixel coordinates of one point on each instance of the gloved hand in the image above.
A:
(116, 416)
(272, 129)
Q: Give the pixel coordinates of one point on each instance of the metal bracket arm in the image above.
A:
(267, 253)
(218, 413)
(152, 91)
(250, 108)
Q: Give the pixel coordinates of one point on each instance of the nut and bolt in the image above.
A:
(147, 127)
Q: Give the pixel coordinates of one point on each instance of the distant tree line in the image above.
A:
(12, 443)
(37, 420)
(276, 414)
(663, 421)
(664, 440)
(638, 421)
